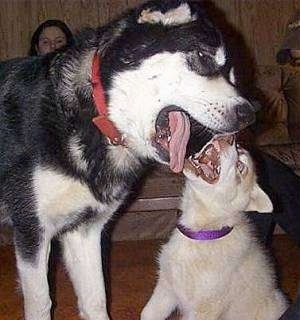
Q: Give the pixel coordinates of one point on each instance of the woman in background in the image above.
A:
(50, 36)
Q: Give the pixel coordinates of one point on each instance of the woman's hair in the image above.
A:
(49, 23)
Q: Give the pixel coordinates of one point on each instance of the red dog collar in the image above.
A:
(102, 121)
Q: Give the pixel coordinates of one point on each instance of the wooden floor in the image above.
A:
(133, 278)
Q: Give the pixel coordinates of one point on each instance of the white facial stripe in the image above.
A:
(220, 56)
(179, 15)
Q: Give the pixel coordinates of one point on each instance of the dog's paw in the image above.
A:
(148, 314)
(94, 316)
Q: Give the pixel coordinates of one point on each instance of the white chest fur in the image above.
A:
(60, 198)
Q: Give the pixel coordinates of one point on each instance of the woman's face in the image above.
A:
(50, 39)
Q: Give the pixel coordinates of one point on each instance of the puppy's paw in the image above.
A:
(94, 315)
(149, 313)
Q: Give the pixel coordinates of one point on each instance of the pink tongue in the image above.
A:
(180, 134)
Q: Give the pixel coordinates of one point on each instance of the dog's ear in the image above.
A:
(177, 13)
(259, 201)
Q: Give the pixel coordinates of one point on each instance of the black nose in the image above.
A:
(245, 115)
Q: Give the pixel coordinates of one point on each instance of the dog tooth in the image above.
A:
(231, 139)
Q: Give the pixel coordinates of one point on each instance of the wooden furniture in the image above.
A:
(152, 211)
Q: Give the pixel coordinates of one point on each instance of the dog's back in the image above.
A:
(228, 275)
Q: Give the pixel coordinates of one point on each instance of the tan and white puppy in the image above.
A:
(213, 267)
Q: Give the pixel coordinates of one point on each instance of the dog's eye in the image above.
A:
(202, 63)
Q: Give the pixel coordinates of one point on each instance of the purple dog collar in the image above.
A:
(204, 234)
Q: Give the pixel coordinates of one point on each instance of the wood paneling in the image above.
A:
(260, 22)
(19, 19)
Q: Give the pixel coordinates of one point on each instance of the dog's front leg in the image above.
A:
(203, 311)
(33, 277)
(161, 303)
(82, 254)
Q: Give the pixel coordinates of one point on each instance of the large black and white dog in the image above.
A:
(77, 128)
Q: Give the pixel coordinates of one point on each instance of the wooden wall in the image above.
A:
(20, 18)
(260, 22)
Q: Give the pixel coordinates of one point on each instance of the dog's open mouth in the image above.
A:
(174, 128)
(206, 163)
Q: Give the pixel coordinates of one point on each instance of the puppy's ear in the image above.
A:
(259, 201)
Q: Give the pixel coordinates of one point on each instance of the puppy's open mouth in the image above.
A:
(176, 136)
(206, 163)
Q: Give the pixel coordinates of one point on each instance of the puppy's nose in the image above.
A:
(245, 114)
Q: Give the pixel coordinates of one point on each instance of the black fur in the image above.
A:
(35, 129)
(40, 111)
